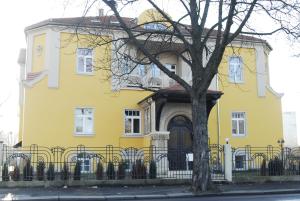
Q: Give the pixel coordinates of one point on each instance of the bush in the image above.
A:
(110, 172)
(77, 171)
(298, 168)
(40, 168)
(27, 171)
(50, 172)
(64, 174)
(99, 171)
(263, 168)
(121, 170)
(16, 174)
(5, 175)
(152, 170)
(275, 167)
(139, 170)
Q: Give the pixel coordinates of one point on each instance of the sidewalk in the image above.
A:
(145, 192)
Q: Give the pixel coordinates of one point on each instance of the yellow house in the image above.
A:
(66, 101)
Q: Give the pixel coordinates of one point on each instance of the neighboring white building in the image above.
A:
(290, 129)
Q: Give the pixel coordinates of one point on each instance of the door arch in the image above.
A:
(180, 142)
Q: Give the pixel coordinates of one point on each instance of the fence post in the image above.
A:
(228, 162)
(1, 158)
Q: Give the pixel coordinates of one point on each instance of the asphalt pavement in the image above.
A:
(224, 191)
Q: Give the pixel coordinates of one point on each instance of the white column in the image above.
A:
(228, 162)
(159, 140)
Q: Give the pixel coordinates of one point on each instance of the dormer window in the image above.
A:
(155, 26)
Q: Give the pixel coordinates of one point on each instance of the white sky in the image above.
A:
(15, 15)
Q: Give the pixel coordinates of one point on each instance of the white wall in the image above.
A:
(290, 129)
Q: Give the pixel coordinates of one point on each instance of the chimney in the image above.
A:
(101, 12)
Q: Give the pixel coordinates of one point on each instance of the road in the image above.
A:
(276, 197)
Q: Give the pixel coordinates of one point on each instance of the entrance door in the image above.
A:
(180, 143)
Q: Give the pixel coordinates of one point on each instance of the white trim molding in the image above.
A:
(52, 57)
(30, 83)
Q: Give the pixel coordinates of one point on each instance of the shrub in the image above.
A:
(40, 168)
(110, 172)
(27, 171)
(77, 171)
(275, 167)
(64, 174)
(152, 170)
(139, 170)
(16, 174)
(263, 168)
(121, 170)
(5, 175)
(99, 171)
(50, 172)
(298, 168)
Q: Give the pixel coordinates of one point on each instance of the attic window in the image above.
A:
(155, 26)
(95, 20)
(114, 22)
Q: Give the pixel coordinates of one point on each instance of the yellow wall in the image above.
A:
(48, 127)
(263, 114)
(55, 127)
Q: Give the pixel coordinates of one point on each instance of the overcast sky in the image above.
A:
(15, 15)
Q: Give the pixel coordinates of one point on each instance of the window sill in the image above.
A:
(85, 74)
(133, 135)
(235, 135)
(236, 82)
(84, 134)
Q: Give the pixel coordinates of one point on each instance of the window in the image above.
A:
(171, 67)
(155, 26)
(85, 164)
(84, 121)
(125, 65)
(84, 61)
(238, 123)
(132, 122)
(235, 70)
(155, 71)
(240, 161)
(141, 71)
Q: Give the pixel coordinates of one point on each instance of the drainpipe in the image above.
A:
(218, 113)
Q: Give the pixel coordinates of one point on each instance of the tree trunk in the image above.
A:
(201, 177)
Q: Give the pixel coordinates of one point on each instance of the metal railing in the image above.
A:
(108, 162)
(265, 161)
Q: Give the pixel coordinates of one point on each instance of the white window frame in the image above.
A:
(169, 66)
(85, 57)
(84, 133)
(238, 119)
(132, 124)
(233, 79)
(245, 162)
(82, 165)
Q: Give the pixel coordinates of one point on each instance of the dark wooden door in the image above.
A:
(180, 142)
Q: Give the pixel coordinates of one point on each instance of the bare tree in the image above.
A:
(198, 43)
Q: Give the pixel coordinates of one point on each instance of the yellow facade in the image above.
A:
(48, 113)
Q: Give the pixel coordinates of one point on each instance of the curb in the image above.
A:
(157, 196)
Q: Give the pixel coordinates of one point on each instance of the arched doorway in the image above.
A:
(180, 142)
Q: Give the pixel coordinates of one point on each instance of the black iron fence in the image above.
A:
(265, 161)
(81, 162)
